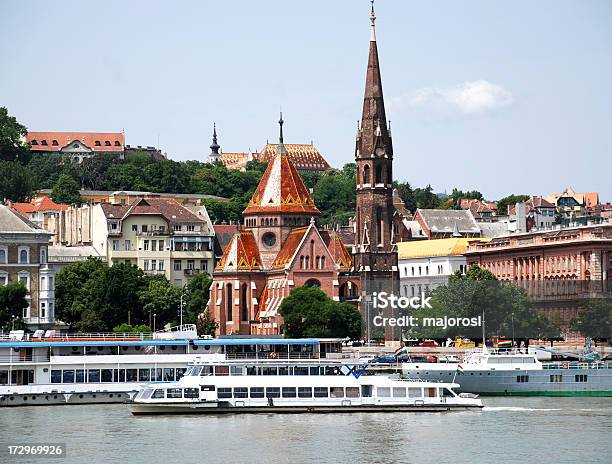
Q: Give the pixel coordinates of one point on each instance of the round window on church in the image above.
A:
(269, 239)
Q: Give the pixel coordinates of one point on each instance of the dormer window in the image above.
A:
(54, 143)
(107, 143)
(117, 143)
(97, 143)
(43, 142)
(34, 142)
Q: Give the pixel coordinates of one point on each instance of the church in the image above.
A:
(280, 246)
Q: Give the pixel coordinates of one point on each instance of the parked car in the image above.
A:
(384, 359)
(429, 343)
(416, 358)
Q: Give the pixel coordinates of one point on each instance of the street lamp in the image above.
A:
(181, 307)
(154, 322)
(13, 317)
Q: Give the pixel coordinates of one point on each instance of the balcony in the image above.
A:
(153, 233)
(154, 271)
(191, 272)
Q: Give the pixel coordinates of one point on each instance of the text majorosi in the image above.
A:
(438, 322)
(384, 300)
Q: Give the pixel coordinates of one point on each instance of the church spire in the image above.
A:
(281, 150)
(372, 23)
(214, 146)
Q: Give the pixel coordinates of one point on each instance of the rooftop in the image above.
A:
(97, 141)
(429, 248)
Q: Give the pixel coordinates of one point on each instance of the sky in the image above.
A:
(503, 97)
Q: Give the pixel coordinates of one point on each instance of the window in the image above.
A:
(384, 392)
(228, 303)
(190, 227)
(93, 375)
(24, 255)
(580, 378)
(203, 265)
(68, 376)
(289, 392)
(43, 310)
(168, 374)
(244, 308)
(241, 392)
(115, 245)
(414, 393)
(366, 174)
(153, 245)
(352, 392)
(143, 375)
(304, 392)
(191, 393)
(556, 378)
(178, 265)
(190, 264)
(43, 255)
(128, 245)
(146, 264)
(257, 392)
(34, 142)
(522, 378)
(56, 376)
(43, 142)
(146, 245)
(321, 392)
(273, 392)
(177, 227)
(134, 227)
(176, 392)
(118, 144)
(159, 393)
(144, 228)
(3, 255)
(161, 245)
(97, 143)
(337, 392)
(399, 392)
(161, 265)
(107, 143)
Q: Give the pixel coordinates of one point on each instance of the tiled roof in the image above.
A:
(337, 249)
(305, 157)
(539, 202)
(241, 254)
(171, 210)
(42, 203)
(223, 236)
(281, 190)
(588, 199)
(441, 247)
(444, 220)
(11, 221)
(289, 247)
(97, 141)
(236, 160)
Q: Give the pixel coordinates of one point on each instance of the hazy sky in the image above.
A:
(500, 96)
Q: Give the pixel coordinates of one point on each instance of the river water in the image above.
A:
(517, 430)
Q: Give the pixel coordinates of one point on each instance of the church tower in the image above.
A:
(375, 255)
(214, 156)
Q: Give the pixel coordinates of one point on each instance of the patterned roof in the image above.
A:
(281, 190)
(42, 203)
(305, 157)
(285, 255)
(97, 141)
(337, 249)
(241, 254)
(236, 160)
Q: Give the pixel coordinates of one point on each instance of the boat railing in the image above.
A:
(577, 365)
(96, 336)
(271, 356)
(18, 358)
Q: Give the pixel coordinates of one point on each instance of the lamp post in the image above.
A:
(154, 315)
(13, 321)
(181, 306)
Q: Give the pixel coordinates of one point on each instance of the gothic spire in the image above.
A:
(281, 150)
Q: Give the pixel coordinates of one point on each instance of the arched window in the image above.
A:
(378, 174)
(43, 255)
(24, 257)
(322, 262)
(366, 174)
(244, 317)
(379, 226)
(312, 283)
(2, 255)
(228, 302)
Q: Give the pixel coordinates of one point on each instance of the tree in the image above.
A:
(308, 312)
(196, 295)
(334, 195)
(595, 320)
(510, 200)
(206, 325)
(128, 328)
(93, 171)
(15, 182)
(66, 190)
(161, 298)
(12, 134)
(12, 303)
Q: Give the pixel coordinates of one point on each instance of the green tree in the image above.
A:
(595, 320)
(510, 200)
(15, 182)
(334, 195)
(66, 190)
(309, 312)
(12, 303)
(161, 298)
(93, 171)
(195, 297)
(128, 328)
(12, 146)
(206, 325)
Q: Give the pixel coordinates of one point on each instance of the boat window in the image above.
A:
(556, 378)
(195, 370)
(251, 370)
(56, 376)
(236, 370)
(305, 392)
(270, 371)
(331, 371)
(300, 370)
(257, 392)
(283, 370)
(289, 392)
(445, 392)
(156, 374)
(399, 392)
(272, 392)
(522, 378)
(80, 376)
(143, 375)
(321, 392)
(131, 375)
(180, 371)
(366, 391)
(192, 393)
(168, 374)
(384, 392)
(159, 393)
(221, 370)
(145, 394)
(337, 392)
(352, 392)
(93, 375)
(241, 392)
(68, 376)
(431, 392)
(224, 393)
(580, 377)
(174, 393)
(314, 371)
(207, 388)
(107, 375)
(119, 375)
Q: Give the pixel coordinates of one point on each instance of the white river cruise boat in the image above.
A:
(294, 387)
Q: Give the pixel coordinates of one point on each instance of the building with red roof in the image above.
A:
(79, 145)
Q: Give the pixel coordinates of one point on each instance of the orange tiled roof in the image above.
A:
(42, 203)
(236, 160)
(289, 247)
(305, 157)
(241, 254)
(97, 141)
(281, 190)
(337, 249)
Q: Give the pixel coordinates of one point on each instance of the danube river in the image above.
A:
(518, 430)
